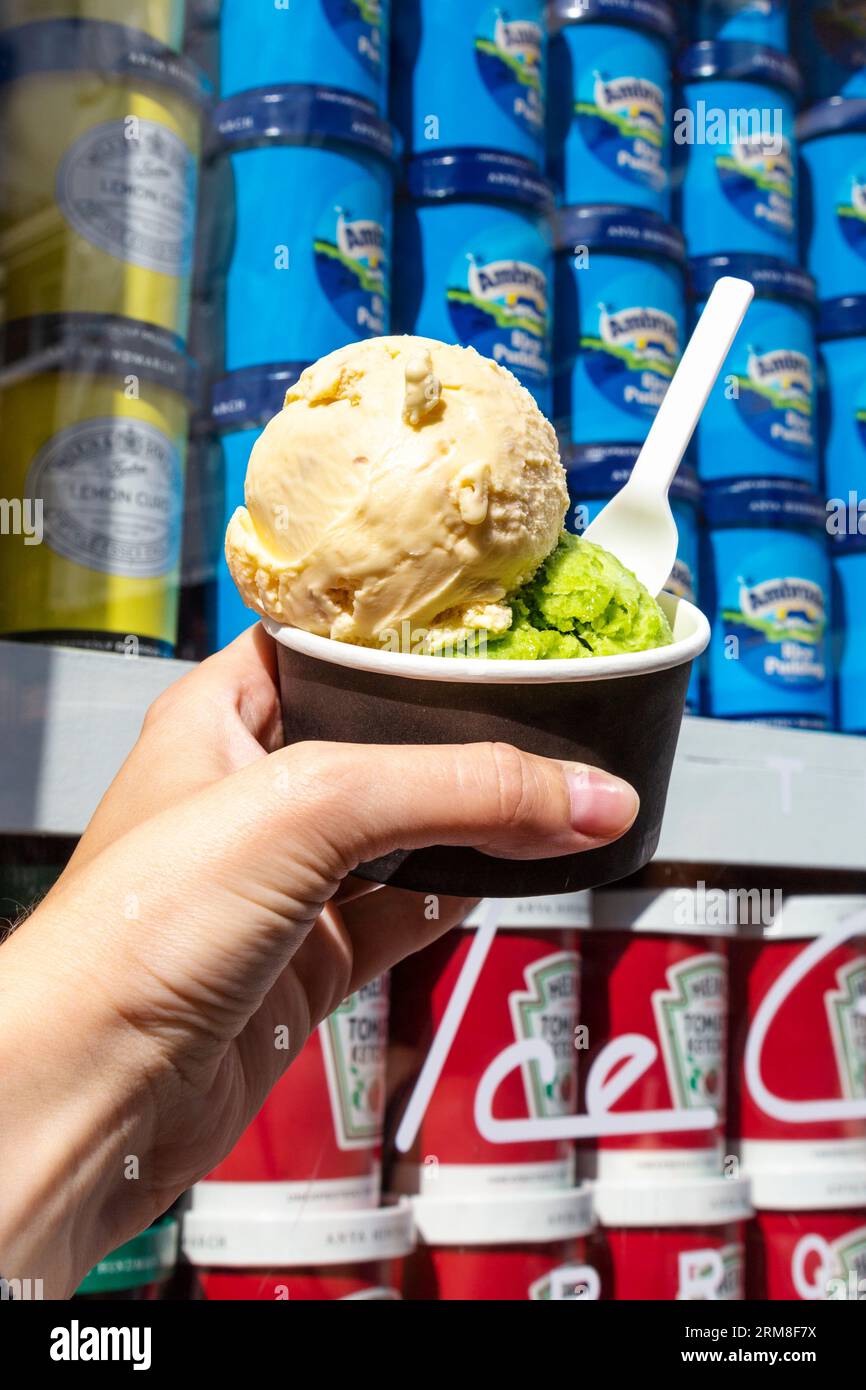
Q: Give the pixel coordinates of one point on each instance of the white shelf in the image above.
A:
(741, 793)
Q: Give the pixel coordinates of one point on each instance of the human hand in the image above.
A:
(142, 1000)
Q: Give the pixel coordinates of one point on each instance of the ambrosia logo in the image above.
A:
(508, 52)
(519, 38)
(519, 287)
(363, 241)
(351, 255)
(792, 607)
(787, 372)
(650, 334)
(640, 102)
(768, 158)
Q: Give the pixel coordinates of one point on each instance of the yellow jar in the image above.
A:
(162, 19)
(100, 130)
(94, 415)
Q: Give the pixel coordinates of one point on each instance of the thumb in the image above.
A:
(489, 796)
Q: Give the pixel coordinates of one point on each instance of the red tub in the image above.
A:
(317, 1140)
(528, 989)
(483, 1249)
(815, 1045)
(680, 1241)
(647, 973)
(808, 1239)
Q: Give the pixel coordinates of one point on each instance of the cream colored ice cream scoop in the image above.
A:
(404, 481)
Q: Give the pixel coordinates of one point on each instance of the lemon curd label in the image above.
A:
(354, 1039)
(128, 186)
(111, 493)
(547, 1010)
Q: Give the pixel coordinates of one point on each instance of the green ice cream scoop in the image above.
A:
(581, 602)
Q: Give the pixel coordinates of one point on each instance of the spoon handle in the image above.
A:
(693, 381)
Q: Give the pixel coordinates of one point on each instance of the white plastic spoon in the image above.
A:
(637, 526)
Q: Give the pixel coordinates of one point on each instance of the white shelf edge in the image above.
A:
(740, 794)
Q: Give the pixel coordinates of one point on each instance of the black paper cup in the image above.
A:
(620, 713)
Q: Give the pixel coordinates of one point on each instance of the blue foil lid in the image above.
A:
(842, 546)
(609, 227)
(838, 116)
(600, 470)
(655, 15)
(302, 112)
(252, 395)
(764, 502)
(98, 344)
(772, 278)
(111, 50)
(739, 62)
(842, 318)
(477, 173)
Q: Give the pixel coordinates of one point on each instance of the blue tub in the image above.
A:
(474, 260)
(267, 44)
(842, 352)
(595, 474)
(831, 46)
(610, 100)
(849, 608)
(242, 404)
(767, 591)
(470, 73)
(833, 195)
(310, 265)
(735, 140)
(620, 325)
(762, 417)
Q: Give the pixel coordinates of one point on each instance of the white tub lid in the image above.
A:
(700, 1202)
(286, 1241)
(674, 911)
(558, 911)
(750, 912)
(839, 1190)
(802, 918)
(528, 1218)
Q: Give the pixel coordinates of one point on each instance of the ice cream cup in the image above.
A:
(326, 1256)
(814, 1049)
(502, 1249)
(316, 1143)
(620, 713)
(672, 1242)
(808, 1239)
(647, 974)
(527, 989)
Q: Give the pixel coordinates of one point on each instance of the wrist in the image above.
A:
(68, 1128)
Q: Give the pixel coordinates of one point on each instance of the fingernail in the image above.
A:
(602, 807)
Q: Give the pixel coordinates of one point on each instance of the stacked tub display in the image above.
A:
(98, 186)
(498, 1215)
(295, 240)
(294, 1210)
